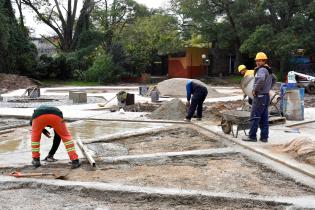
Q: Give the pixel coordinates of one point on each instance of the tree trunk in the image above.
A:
(83, 23)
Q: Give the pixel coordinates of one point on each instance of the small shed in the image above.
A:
(188, 64)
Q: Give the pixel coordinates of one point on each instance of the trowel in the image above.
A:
(55, 175)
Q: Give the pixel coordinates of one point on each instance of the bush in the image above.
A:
(104, 70)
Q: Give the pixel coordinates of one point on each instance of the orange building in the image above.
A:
(188, 64)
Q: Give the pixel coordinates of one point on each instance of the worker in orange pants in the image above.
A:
(46, 116)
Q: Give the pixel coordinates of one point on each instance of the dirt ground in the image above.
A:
(232, 173)
(218, 174)
(54, 199)
(174, 140)
(309, 101)
(301, 149)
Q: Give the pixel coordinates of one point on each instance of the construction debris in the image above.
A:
(177, 88)
(172, 110)
(302, 148)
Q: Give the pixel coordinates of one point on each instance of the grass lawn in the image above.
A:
(68, 83)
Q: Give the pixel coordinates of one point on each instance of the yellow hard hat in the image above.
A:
(261, 56)
(241, 68)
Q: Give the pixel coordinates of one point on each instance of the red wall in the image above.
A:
(189, 66)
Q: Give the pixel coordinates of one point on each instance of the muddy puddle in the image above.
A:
(177, 139)
(233, 173)
(11, 140)
(94, 129)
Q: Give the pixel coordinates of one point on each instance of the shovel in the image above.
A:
(56, 175)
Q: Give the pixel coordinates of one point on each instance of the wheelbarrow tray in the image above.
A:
(235, 117)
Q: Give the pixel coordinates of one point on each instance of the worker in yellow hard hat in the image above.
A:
(244, 71)
(264, 82)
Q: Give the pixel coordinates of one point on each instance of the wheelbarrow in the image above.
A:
(235, 117)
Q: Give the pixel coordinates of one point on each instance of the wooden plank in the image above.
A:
(277, 120)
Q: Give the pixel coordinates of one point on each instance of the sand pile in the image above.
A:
(172, 110)
(177, 88)
(14, 82)
(302, 148)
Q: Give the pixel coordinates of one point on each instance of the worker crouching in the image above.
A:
(46, 116)
(199, 93)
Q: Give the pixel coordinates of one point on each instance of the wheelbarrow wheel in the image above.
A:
(226, 126)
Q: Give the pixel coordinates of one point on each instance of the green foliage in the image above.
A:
(17, 53)
(104, 70)
(149, 37)
(260, 40)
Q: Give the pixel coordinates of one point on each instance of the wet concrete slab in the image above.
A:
(15, 147)
(7, 123)
(14, 140)
(98, 129)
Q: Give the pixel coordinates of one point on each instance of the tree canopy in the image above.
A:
(130, 37)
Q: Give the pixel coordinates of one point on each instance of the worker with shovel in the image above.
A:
(199, 93)
(264, 81)
(46, 116)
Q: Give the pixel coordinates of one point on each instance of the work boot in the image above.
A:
(263, 140)
(75, 164)
(50, 158)
(36, 162)
(187, 120)
(247, 138)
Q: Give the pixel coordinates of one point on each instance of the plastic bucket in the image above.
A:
(293, 103)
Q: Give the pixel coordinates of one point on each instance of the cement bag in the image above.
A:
(247, 85)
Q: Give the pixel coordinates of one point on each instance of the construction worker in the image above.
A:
(199, 93)
(244, 71)
(264, 81)
(46, 116)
